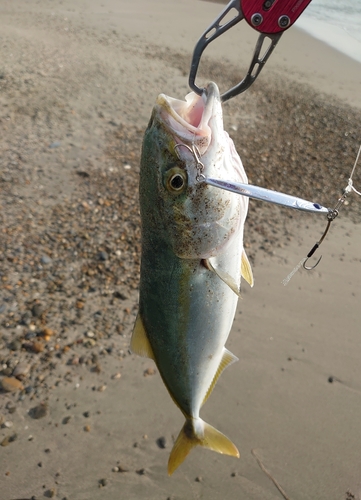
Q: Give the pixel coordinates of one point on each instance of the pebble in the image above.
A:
(55, 144)
(141, 472)
(102, 482)
(21, 370)
(103, 256)
(45, 259)
(39, 411)
(50, 493)
(36, 310)
(37, 347)
(162, 442)
(122, 469)
(116, 376)
(11, 384)
(15, 345)
(8, 439)
(199, 479)
(87, 428)
(149, 371)
(66, 420)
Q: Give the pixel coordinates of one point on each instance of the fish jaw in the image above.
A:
(201, 220)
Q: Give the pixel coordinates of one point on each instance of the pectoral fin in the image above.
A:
(227, 359)
(139, 343)
(246, 269)
(225, 277)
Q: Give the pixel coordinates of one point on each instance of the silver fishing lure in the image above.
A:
(263, 194)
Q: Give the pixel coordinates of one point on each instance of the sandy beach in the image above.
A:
(81, 418)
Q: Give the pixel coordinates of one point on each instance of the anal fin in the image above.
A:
(139, 343)
(227, 359)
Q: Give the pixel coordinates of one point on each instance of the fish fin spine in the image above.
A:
(139, 343)
(194, 433)
(246, 269)
(227, 359)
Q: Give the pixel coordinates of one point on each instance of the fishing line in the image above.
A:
(331, 216)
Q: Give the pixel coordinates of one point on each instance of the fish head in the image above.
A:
(183, 140)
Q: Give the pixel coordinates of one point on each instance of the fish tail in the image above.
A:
(197, 432)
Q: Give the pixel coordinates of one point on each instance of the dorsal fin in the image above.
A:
(225, 277)
(227, 359)
(246, 269)
(139, 343)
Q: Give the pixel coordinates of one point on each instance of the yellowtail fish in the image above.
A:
(192, 258)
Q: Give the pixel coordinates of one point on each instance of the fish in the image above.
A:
(192, 258)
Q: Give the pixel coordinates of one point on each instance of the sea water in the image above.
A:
(335, 22)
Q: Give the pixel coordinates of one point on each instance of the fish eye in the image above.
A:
(176, 180)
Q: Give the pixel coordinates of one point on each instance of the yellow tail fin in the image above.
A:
(199, 433)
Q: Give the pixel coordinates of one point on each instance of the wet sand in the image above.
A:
(87, 419)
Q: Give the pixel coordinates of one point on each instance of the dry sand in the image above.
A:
(77, 84)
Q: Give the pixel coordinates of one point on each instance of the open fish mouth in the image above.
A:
(190, 121)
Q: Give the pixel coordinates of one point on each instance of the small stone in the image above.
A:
(48, 332)
(39, 411)
(55, 144)
(330, 379)
(141, 472)
(199, 479)
(7, 424)
(15, 345)
(102, 482)
(102, 388)
(86, 414)
(116, 376)
(87, 428)
(11, 384)
(21, 370)
(122, 469)
(79, 304)
(66, 420)
(37, 347)
(234, 474)
(149, 371)
(115, 469)
(45, 259)
(36, 310)
(103, 256)
(90, 334)
(9, 439)
(162, 442)
(50, 493)
(120, 295)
